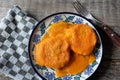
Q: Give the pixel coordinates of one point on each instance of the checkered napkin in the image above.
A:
(15, 30)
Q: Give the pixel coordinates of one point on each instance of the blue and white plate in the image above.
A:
(39, 31)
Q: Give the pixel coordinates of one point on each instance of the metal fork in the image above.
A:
(84, 12)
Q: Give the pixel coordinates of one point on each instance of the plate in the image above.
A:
(39, 31)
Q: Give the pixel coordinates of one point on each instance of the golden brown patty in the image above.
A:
(59, 28)
(52, 52)
(82, 38)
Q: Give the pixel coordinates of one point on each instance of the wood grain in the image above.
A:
(106, 10)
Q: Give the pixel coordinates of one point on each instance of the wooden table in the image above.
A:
(106, 10)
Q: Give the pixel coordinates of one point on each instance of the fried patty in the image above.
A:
(82, 38)
(52, 52)
(58, 28)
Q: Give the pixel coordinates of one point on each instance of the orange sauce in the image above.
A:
(56, 29)
(92, 58)
(77, 64)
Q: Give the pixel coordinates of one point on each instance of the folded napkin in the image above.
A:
(15, 30)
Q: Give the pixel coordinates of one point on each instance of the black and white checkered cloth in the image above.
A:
(15, 30)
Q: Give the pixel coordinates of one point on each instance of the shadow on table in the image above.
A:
(106, 61)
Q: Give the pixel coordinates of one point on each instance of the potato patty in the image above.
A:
(82, 39)
(52, 52)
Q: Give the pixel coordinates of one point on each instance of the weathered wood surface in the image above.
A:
(106, 10)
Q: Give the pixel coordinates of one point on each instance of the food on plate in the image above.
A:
(92, 58)
(67, 48)
(77, 64)
(58, 28)
(82, 38)
(52, 52)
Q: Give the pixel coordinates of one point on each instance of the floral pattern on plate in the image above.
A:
(40, 30)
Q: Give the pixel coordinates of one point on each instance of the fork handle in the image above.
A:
(114, 37)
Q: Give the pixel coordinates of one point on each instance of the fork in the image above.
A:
(84, 12)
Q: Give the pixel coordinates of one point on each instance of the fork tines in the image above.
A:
(80, 8)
